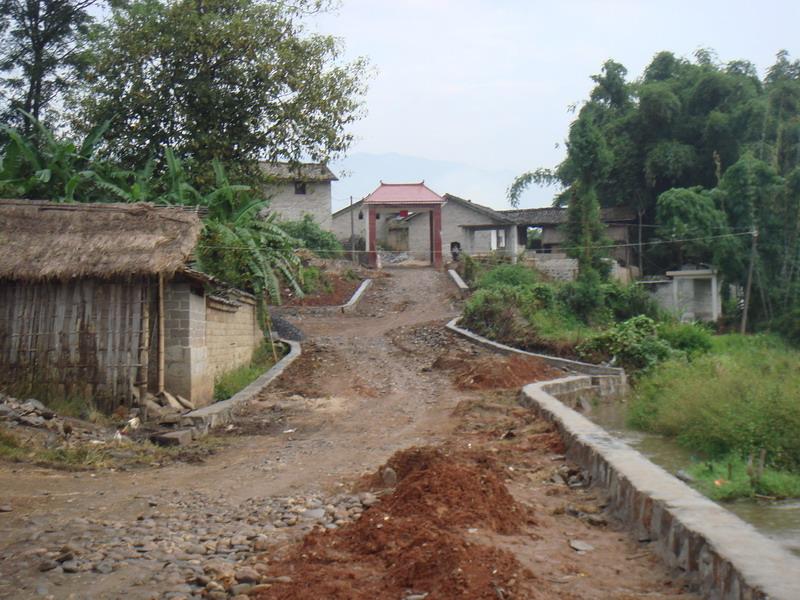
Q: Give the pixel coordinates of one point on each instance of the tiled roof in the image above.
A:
(556, 216)
(484, 210)
(284, 171)
(403, 193)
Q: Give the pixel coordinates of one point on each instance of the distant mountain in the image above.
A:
(360, 173)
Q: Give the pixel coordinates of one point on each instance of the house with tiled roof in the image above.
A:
(298, 189)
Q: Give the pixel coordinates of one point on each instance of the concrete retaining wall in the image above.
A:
(725, 557)
(616, 376)
(350, 306)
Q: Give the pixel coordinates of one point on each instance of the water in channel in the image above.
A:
(778, 520)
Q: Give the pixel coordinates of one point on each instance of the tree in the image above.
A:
(590, 158)
(39, 54)
(233, 80)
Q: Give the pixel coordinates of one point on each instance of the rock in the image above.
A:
(104, 567)
(261, 543)
(389, 477)
(368, 499)
(34, 406)
(31, 420)
(5, 508)
(580, 546)
(279, 579)
(247, 575)
(313, 514)
(70, 566)
(684, 476)
(257, 589)
(596, 520)
(6, 412)
(173, 438)
(47, 565)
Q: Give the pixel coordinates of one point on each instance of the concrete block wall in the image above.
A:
(726, 558)
(291, 206)
(186, 355)
(232, 333)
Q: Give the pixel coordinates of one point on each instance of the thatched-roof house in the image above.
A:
(99, 300)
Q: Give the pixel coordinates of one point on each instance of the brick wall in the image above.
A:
(205, 337)
(232, 333)
(291, 206)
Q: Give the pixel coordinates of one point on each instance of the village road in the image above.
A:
(353, 398)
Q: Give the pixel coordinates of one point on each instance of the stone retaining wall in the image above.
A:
(725, 557)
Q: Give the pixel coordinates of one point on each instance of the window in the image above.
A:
(501, 238)
(300, 187)
(360, 215)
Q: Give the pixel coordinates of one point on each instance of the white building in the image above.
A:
(299, 189)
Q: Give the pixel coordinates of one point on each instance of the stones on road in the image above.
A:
(188, 545)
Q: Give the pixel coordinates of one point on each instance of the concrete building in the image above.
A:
(691, 294)
(98, 301)
(473, 228)
(298, 190)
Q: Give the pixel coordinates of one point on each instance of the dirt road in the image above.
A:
(365, 387)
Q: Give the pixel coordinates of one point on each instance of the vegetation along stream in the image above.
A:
(780, 520)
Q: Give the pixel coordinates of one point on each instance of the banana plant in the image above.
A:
(43, 166)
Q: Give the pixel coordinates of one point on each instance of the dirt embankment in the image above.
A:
(416, 540)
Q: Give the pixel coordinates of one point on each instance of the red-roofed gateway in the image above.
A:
(411, 197)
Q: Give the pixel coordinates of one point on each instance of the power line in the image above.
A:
(598, 247)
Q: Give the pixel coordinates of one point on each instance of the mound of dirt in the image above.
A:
(495, 372)
(415, 539)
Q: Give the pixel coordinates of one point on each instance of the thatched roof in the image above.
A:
(46, 240)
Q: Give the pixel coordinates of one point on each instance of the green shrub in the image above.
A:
(584, 297)
(626, 301)
(728, 478)
(313, 280)
(633, 344)
(312, 236)
(739, 399)
(469, 269)
(691, 338)
(508, 275)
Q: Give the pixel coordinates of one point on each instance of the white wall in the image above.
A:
(291, 206)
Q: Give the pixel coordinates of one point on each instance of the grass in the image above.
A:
(741, 398)
(728, 479)
(236, 380)
(82, 456)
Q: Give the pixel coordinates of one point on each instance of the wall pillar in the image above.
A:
(436, 238)
(714, 298)
(372, 237)
(512, 243)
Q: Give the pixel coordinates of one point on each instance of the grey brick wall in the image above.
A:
(291, 206)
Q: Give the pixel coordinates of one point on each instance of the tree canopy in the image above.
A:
(706, 153)
(233, 80)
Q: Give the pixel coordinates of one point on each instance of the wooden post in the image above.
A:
(144, 348)
(161, 333)
(352, 233)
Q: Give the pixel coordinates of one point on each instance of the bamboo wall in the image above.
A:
(73, 339)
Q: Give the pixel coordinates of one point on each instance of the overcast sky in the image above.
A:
(487, 83)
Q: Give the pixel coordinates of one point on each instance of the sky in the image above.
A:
(466, 94)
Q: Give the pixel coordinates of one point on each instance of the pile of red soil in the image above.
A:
(493, 372)
(415, 539)
(341, 290)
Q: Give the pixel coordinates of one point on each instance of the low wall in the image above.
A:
(319, 311)
(726, 558)
(615, 377)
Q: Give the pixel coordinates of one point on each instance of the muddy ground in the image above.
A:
(297, 500)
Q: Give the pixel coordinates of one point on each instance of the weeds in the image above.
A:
(236, 380)
(740, 399)
(731, 477)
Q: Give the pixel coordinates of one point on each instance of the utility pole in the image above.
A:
(352, 233)
(743, 327)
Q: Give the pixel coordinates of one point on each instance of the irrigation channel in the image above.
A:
(778, 520)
